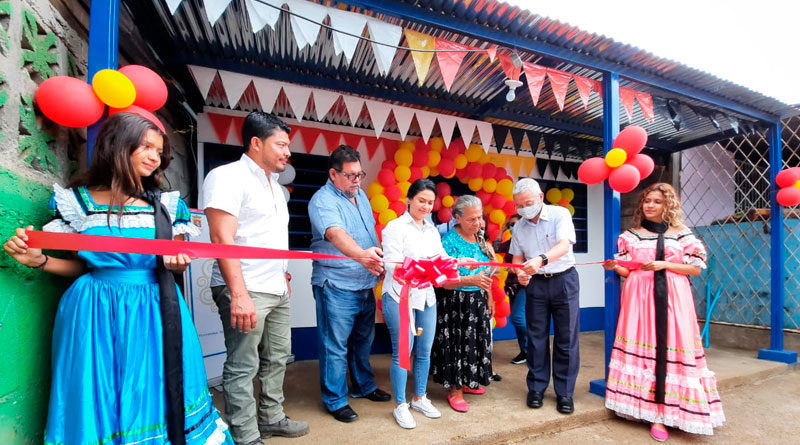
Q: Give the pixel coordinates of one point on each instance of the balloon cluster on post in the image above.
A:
(561, 197)
(624, 166)
(74, 103)
(788, 181)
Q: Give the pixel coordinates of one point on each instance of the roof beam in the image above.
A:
(460, 26)
(710, 139)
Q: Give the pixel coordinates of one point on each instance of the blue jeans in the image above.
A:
(420, 347)
(346, 328)
(518, 319)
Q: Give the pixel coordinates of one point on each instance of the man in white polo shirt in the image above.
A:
(245, 206)
(543, 241)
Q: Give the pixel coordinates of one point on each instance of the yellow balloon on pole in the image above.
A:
(448, 201)
(497, 216)
(386, 215)
(379, 203)
(475, 184)
(616, 157)
(426, 171)
(568, 194)
(553, 195)
(402, 173)
(433, 171)
(403, 157)
(114, 88)
(505, 187)
(460, 161)
(436, 144)
(374, 189)
(407, 145)
(490, 185)
(404, 186)
(433, 158)
(474, 153)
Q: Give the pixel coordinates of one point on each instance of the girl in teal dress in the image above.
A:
(108, 365)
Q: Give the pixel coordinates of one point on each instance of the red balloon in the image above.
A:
(141, 112)
(484, 196)
(447, 167)
(500, 322)
(787, 178)
(499, 174)
(564, 202)
(593, 170)
(456, 146)
(375, 215)
(151, 91)
(69, 102)
(437, 204)
(488, 170)
(444, 215)
(493, 230)
(420, 158)
(443, 189)
(473, 170)
(502, 309)
(510, 208)
(398, 206)
(421, 145)
(631, 139)
(389, 164)
(386, 177)
(624, 178)
(788, 196)
(392, 192)
(497, 201)
(450, 152)
(416, 173)
(643, 163)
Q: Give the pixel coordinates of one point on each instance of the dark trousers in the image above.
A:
(556, 297)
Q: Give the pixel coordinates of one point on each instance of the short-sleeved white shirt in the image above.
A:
(244, 190)
(530, 240)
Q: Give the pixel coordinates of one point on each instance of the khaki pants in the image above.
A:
(262, 351)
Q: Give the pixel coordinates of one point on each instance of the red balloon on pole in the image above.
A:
(488, 170)
(593, 170)
(499, 174)
(510, 208)
(624, 178)
(420, 158)
(444, 215)
(392, 193)
(446, 167)
(151, 91)
(141, 112)
(399, 207)
(443, 189)
(498, 201)
(474, 170)
(484, 196)
(416, 173)
(631, 139)
(386, 177)
(788, 196)
(643, 163)
(69, 102)
(389, 164)
(787, 178)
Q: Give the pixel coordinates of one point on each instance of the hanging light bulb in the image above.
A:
(512, 85)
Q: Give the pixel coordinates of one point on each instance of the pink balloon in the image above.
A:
(593, 170)
(151, 91)
(69, 102)
(643, 163)
(787, 178)
(624, 178)
(788, 196)
(141, 112)
(631, 139)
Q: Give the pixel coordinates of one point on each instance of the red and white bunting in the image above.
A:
(268, 91)
(403, 116)
(378, 113)
(203, 77)
(534, 75)
(234, 85)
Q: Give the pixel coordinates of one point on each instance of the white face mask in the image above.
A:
(530, 211)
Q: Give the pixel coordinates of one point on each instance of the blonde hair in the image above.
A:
(672, 213)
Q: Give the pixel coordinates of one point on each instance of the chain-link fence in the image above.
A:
(725, 195)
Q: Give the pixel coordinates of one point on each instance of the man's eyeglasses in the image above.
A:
(353, 176)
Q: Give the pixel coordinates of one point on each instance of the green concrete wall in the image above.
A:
(28, 300)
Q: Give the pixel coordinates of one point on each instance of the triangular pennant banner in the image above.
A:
(234, 85)
(354, 106)
(646, 104)
(485, 134)
(323, 101)
(384, 34)
(584, 85)
(422, 60)
(449, 59)
(549, 144)
(372, 146)
(563, 145)
(559, 83)
(554, 167)
(500, 135)
(533, 139)
(214, 9)
(626, 96)
(310, 136)
(491, 52)
(238, 123)
(534, 75)
(332, 139)
(514, 164)
(403, 116)
(467, 129)
(511, 71)
(173, 5)
(516, 137)
(268, 91)
(353, 140)
(203, 77)
(221, 124)
(353, 23)
(298, 99)
(598, 87)
(541, 166)
(426, 120)
(378, 113)
(447, 124)
(262, 15)
(527, 166)
(306, 19)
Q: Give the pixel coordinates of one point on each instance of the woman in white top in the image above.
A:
(411, 235)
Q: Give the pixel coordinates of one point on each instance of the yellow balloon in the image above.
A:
(426, 171)
(403, 157)
(402, 173)
(797, 184)
(474, 153)
(616, 157)
(567, 193)
(460, 161)
(374, 189)
(505, 187)
(386, 215)
(448, 201)
(433, 158)
(485, 158)
(490, 185)
(404, 185)
(571, 209)
(379, 203)
(497, 216)
(114, 88)
(433, 172)
(553, 195)
(379, 290)
(475, 184)
(407, 145)
(463, 179)
(436, 144)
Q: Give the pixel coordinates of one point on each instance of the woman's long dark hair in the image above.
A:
(111, 168)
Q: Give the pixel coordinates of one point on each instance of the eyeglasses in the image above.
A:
(353, 176)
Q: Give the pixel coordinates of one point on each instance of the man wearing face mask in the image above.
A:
(542, 242)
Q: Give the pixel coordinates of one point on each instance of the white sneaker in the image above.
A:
(403, 416)
(425, 406)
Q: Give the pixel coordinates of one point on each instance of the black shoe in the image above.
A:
(496, 377)
(535, 399)
(344, 414)
(521, 358)
(564, 405)
(378, 395)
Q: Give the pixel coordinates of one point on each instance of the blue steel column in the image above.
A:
(611, 221)
(103, 49)
(777, 289)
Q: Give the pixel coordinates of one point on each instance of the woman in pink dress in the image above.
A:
(658, 370)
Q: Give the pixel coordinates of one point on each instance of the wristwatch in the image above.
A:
(544, 259)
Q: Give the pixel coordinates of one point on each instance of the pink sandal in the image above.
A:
(658, 434)
(458, 403)
(467, 390)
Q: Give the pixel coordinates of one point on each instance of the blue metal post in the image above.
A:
(777, 290)
(611, 220)
(103, 49)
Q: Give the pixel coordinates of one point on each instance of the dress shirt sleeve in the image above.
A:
(324, 213)
(222, 193)
(565, 230)
(515, 248)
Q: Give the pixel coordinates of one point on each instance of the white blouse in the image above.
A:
(403, 237)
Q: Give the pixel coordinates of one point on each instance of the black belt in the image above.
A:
(552, 275)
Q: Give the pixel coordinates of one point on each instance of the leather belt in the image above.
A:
(552, 275)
